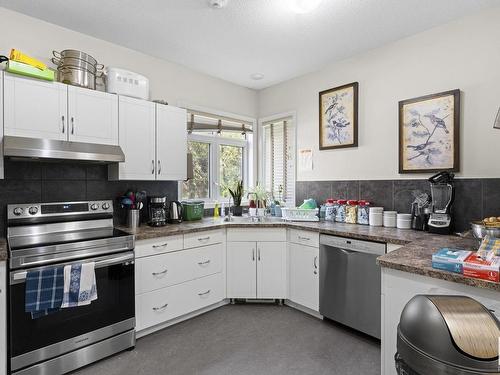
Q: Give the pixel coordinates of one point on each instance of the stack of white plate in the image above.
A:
(376, 216)
(404, 221)
(390, 219)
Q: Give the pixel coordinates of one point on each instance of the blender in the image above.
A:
(442, 195)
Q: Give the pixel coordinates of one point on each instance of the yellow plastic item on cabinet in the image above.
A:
(18, 56)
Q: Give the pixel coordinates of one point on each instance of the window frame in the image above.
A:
(250, 163)
(260, 148)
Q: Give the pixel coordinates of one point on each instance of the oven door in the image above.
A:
(36, 340)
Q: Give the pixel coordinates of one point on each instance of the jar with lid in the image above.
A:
(341, 211)
(351, 212)
(363, 212)
(330, 210)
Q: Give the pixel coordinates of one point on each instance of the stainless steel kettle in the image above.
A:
(175, 212)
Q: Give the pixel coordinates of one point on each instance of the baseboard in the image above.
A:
(303, 309)
(182, 318)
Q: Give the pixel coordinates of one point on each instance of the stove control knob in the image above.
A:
(18, 211)
(105, 206)
(94, 206)
(33, 210)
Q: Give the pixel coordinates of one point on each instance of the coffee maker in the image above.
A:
(442, 195)
(157, 211)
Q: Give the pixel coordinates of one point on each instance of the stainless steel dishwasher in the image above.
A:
(349, 282)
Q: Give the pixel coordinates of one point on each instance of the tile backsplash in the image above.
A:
(474, 198)
(32, 181)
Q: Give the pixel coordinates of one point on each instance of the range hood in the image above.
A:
(35, 148)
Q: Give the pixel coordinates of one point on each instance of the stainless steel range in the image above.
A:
(57, 234)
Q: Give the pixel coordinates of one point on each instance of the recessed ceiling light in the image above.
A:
(257, 76)
(304, 6)
(217, 4)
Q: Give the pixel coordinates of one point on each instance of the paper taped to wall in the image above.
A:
(305, 160)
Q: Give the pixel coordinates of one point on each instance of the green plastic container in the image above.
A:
(30, 71)
(193, 210)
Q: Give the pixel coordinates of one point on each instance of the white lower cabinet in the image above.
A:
(256, 270)
(303, 281)
(165, 304)
(3, 319)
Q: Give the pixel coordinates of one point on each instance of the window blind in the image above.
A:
(206, 122)
(279, 160)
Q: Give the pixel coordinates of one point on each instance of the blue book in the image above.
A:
(451, 260)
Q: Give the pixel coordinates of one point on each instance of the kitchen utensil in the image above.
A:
(77, 68)
(443, 195)
(376, 216)
(404, 221)
(175, 212)
(76, 54)
(479, 230)
(133, 218)
(124, 82)
(29, 70)
(390, 219)
(157, 211)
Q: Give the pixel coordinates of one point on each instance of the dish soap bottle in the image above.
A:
(216, 210)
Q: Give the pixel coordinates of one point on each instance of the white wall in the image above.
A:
(464, 54)
(168, 81)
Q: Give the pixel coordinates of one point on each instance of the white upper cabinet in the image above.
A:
(34, 108)
(171, 143)
(93, 116)
(137, 140)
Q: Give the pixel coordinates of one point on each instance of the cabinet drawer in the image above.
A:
(168, 303)
(256, 235)
(203, 238)
(304, 237)
(144, 248)
(174, 268)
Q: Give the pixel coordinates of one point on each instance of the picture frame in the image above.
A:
(429, 133)
(338, 117)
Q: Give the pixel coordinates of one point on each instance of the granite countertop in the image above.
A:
(3, 249)
(414, 255)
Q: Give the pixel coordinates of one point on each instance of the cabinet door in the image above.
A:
(241, 270)
(34, 108)
(303, 275)
(93, 116)
(137, 139)
(3, 319)
(271, 272)
(171, 143)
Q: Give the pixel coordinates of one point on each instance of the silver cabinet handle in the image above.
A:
(159, 167)
(72, 125)
(315, 264)
(152, 167)
(203, 263)
(204, 293)
(63, 125)
(253, 254)
(304, 238)
(201, 239)
(160, 273)
(160, 246)
(258, 255)
(160, 308)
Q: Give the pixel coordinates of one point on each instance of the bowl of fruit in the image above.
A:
(489, 226)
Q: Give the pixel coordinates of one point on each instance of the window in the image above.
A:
(278, 160)
(220, 150)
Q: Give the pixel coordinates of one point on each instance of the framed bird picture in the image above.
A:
(338, 117)
(429, 133)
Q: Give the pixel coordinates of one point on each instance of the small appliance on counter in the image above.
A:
(442, 196)
(447, 334)
(157, 211)
(175, 212)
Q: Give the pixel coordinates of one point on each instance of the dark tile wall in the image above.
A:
(474, 198)
(31, 181)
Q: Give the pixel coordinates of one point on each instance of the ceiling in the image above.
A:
(249, 36)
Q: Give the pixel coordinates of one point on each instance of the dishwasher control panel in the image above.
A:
(370, 247)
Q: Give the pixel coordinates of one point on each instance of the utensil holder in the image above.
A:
(133, 218)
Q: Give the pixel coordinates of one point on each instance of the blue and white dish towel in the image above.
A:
(79, 285)
(44, 291)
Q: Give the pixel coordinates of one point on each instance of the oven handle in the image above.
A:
(20, 276)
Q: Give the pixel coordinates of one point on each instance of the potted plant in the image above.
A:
(261, 197)
(237, 194)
